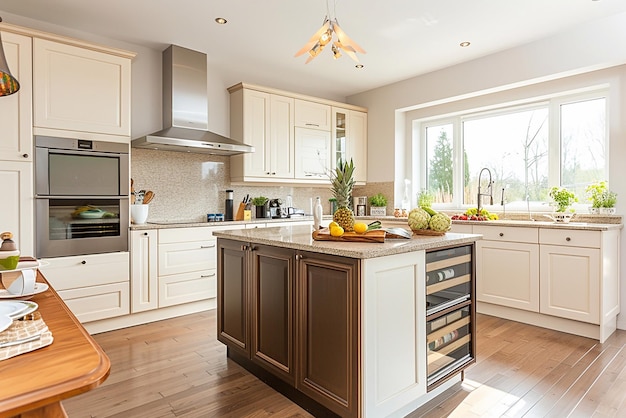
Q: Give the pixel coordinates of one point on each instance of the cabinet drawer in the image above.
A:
(461, 228)
(88, 270)
(169, 236)
(98, 302)
(508, 233)
(570, 238)
(187, 287)
(448, 340)
(187, 256)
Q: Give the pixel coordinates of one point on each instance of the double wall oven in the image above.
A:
(81, 196)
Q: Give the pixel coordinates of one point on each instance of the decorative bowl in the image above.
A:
(9, 259)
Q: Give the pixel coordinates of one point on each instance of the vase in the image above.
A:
(139, 214)
(607, 211)
(378, 211)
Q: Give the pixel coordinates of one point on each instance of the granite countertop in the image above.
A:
(194, 223)
(300, 238)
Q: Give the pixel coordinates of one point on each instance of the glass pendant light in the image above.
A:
(8, 83)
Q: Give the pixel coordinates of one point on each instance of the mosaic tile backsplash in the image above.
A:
(188, 186)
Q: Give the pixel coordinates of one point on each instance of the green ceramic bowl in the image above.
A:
(9, 262)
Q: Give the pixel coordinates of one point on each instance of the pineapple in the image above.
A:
(342, 183)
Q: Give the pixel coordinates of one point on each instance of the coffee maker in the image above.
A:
(276, 210)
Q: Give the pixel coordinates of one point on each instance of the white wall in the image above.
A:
(587, 55)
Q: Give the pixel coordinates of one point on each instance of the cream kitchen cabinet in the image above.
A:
(313, 115)
(94, 287)
(16, 146)
(312, 154)
(578, 281)
(143, 270)
(18, 215)
(81, 92)
(16, 126)
(507, 266)
(349, 140)
(266, 122)
(186, 265)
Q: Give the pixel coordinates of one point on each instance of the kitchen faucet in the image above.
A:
(489, 188)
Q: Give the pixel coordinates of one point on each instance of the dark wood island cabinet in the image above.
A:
(326, 323)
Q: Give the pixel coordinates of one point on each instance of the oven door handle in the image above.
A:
(48, 197)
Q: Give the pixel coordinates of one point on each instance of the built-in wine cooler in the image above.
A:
(450, 312)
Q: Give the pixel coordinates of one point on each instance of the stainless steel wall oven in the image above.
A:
(81, 196)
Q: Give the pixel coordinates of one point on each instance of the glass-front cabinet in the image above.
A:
(349, 140)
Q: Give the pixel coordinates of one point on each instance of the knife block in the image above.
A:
(239, 216)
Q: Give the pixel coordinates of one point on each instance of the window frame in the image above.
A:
(456, 119)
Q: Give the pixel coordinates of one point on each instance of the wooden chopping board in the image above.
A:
(376, 235)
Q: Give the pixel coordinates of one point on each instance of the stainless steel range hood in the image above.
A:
(185, 109)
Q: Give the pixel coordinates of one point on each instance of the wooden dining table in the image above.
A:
(34, 384)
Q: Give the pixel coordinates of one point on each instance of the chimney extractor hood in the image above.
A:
(185, 109)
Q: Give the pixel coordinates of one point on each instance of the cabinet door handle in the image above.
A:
(501, 234)
(204, 276)
(299, 257)
(83, 262)
(145, 233)
(244, 247)
(207, 246)
(25, 155)
(568, 239)
(312, 124)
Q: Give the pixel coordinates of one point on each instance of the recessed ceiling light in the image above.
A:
(221, 20)
(464, 44)
(359, 66)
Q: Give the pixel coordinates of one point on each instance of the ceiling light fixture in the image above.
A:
(464, 44)
(324, 36)
(221, 20)
(8, 83)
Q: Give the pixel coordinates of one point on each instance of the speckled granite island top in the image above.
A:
(300, 238)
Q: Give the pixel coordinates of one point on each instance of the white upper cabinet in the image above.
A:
(264, 121)
(312, 115)
(79, 90)
(312, 154)
(15, 110)
(349, 140)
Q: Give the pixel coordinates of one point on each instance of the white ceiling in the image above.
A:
(403, 38)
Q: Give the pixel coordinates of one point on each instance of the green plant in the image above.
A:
(595, 193)
(378, 200)
(259, 201)
(425, 199)
(563, 198)
(609, 199)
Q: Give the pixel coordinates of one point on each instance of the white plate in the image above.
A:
(5, 322)
(25, 265)
(17, 309)
(39, 288)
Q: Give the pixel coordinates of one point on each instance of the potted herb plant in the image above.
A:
(261, 206)
(425, 199)
(378, 205)
(563, 199)
(609, 199)
(595, 194)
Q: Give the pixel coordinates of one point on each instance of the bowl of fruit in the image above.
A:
(472, 214)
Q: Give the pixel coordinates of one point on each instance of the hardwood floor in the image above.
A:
(177, 368)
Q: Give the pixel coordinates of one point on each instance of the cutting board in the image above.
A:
(376, 235)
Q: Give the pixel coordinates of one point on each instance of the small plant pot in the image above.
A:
(562, 217)
(261, 212)
(139, 214)
(378, 210)
(594, 211)
(607, 211)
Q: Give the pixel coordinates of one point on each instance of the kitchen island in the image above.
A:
(346, 328)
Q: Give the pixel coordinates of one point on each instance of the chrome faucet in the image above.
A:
(489, 188)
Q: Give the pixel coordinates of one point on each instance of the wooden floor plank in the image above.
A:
(177, 368)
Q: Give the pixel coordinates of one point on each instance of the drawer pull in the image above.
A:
(83, 262)
(207, 246)
(244, 247)
(204, 276)
(501, 234)
(299, 257)
(568, 239)
(145, 233)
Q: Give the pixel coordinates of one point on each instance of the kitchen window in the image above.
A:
(528, 149)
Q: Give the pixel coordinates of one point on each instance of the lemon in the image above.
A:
(336, 231)
(360, 227)
(332, 225)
